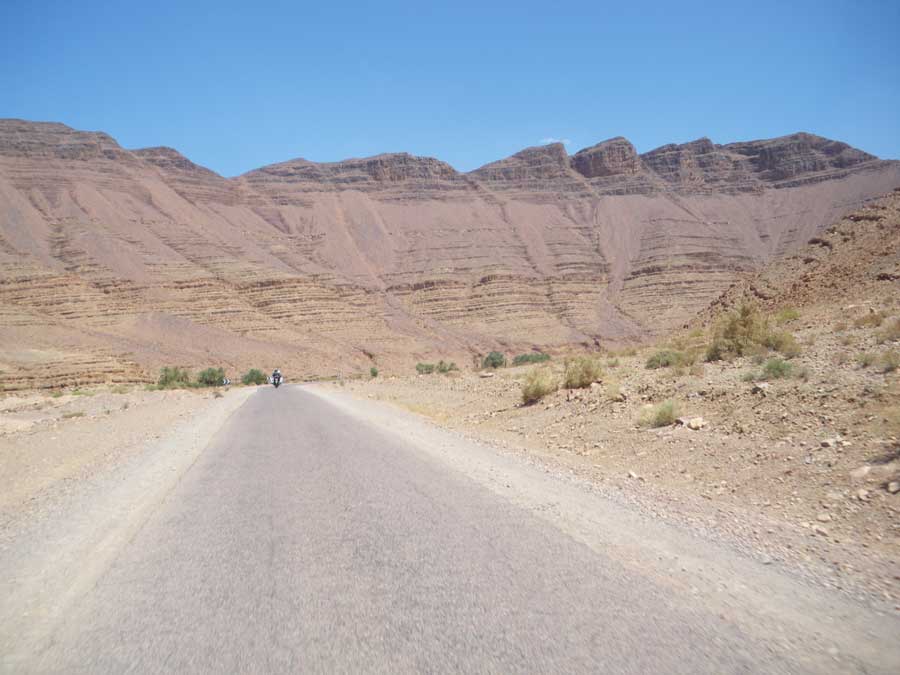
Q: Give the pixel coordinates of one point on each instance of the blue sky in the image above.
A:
(236, 85)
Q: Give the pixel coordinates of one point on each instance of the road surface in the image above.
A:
(313, 535)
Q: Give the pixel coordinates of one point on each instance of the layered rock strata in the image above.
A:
(146, 258)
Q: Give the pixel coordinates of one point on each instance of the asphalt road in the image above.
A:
(305, 539)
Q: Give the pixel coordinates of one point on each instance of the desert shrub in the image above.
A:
(890, 333)
(373, 372)
(613, 363)
(749, 376)
(697, 370)
(425, 368)
(531, 357)
(870, 320)
(443, 367)
(72, 415)
(665, 358)
(612, 390)
(841, 326)
(784, 343)
(494, 360)
(173, 377)
(889, 361)
(56, 394)
(745, 332)
(254, 376)
(786, 315)
(776, 369)
(865, 359)
(121, 389)
(660, 415)
(211, 377)
(538, 383)
(581, 371)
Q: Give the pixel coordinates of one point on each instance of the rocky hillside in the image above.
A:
(124, 260)
(852, 265)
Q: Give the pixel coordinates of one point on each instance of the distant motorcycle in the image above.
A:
(277, 379)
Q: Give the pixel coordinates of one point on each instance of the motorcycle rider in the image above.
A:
(276, 375)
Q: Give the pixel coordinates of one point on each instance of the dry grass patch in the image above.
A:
(581, 372)
(871, 320)
(890, 333)
(538, 383)
(661, 415)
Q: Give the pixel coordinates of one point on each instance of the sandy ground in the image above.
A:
(798, 473)
(47, 441)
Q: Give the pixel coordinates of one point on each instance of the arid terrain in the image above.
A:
(706, 406)
(115, 262)
(801, 470)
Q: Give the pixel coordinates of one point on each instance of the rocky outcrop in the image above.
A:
(615, 157)
(144, 257)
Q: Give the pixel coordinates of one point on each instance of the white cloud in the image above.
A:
(550, 139)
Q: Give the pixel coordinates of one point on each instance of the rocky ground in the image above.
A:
(801, 471)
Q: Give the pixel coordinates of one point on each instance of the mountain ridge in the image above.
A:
(155, 259)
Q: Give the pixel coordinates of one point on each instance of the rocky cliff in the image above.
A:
(137, 258)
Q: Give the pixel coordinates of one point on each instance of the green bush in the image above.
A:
(494, 360)
(443, 367)
(373, 372)
(581, 371)
(531, 357)
(784, 343)
(425, 368)
(173, 377)
(665, 358)
(210, 377)
(538, 383)
(776, 369)
(254, 376)
(661, 415)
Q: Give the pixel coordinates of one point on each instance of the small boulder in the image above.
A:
(824, 517)
(893, 487)
(760, 388)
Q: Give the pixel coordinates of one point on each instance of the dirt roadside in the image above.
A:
(49, 442)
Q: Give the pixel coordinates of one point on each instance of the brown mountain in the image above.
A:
(114, 262)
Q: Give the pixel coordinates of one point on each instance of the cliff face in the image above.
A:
(140, 258)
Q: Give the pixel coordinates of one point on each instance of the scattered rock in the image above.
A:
(861, 472)
(693, 423)
(862, 495)
(818, 529)
(829, 442)
(485, 374)
(824, 517)
(760, 388)
(893, 487)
